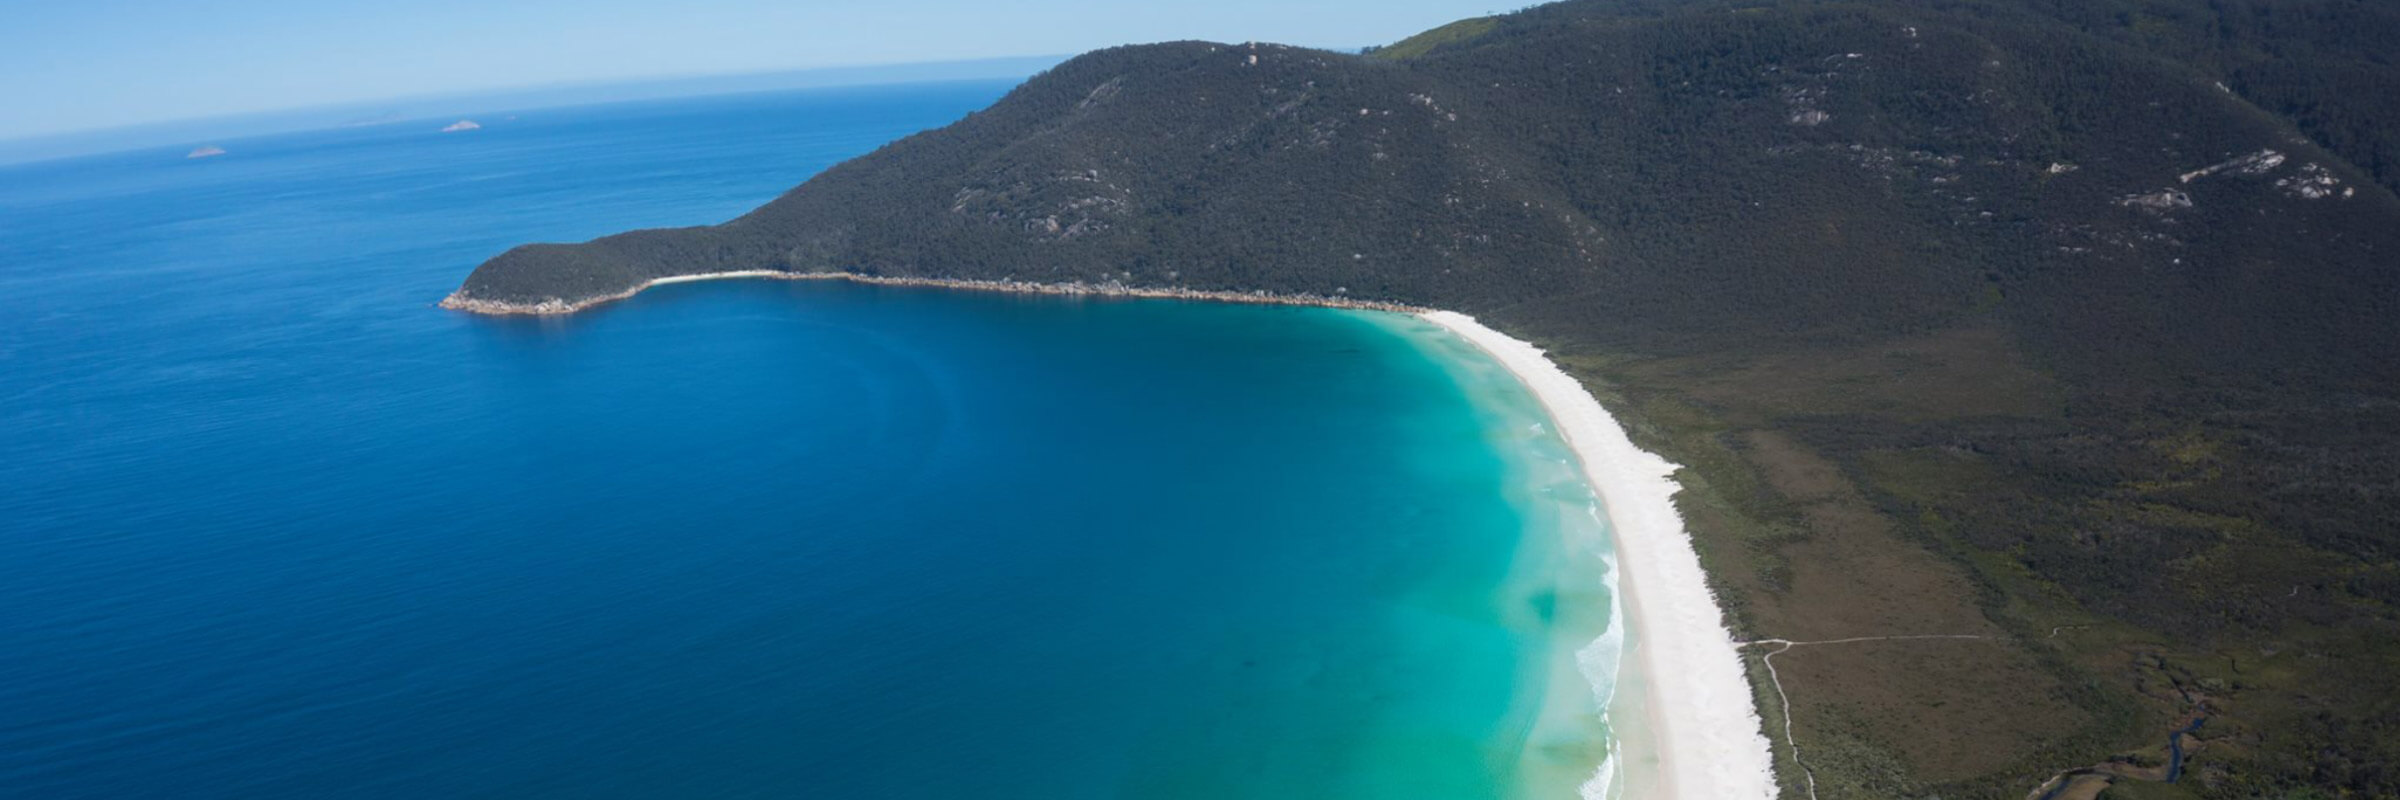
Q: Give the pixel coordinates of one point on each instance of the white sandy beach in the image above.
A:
(461, 301)
(714, 276)
(1710, 745)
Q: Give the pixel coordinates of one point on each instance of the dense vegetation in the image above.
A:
(2093, 301)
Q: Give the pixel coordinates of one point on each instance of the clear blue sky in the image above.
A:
(85, 64)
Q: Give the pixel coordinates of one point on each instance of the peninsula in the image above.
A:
(2029, 363)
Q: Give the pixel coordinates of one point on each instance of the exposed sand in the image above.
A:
(711, 276)
(459, 301)
(1710, 744)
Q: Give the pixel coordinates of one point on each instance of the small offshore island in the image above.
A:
(2003, 394)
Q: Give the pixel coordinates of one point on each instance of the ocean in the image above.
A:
(272, 525)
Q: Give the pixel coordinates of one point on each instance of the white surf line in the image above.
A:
(1711, 743)
(1786, 698)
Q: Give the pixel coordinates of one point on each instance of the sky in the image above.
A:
(80, 65)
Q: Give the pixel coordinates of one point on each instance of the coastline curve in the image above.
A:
(461, 301)
(1710, 739)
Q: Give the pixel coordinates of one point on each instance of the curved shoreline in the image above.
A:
(458, 301)
(1710, 740)
(1709, 736)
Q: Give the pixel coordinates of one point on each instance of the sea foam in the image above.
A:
(1602, 664)
(1708, 735)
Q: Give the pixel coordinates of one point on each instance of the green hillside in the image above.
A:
(2073, 324)
(1464, 30)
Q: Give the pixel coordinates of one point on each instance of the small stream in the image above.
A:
(2175, 749)
(2174, 762)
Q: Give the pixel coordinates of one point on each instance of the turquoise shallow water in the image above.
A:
(275, 527)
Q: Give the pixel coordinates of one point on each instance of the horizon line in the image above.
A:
(290, 119)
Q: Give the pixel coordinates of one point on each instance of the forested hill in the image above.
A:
(2093, 306)
(1657, 175)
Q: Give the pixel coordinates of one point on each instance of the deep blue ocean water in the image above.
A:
(271, 525)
